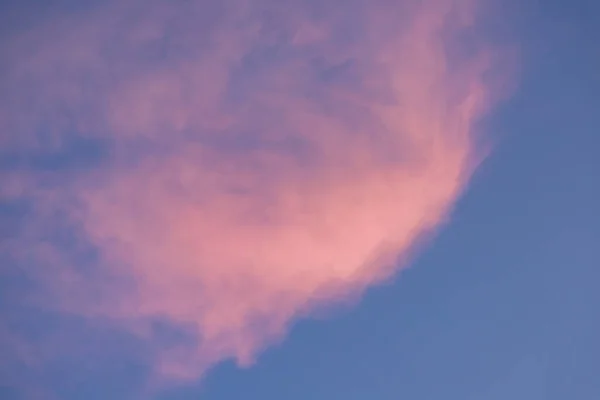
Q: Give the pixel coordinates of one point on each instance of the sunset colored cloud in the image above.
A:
(229, 166)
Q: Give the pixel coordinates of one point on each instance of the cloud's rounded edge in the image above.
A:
(253, 171)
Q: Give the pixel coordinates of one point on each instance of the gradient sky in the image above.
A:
(117, 152)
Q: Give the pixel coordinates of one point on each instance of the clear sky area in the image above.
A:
(299, 200)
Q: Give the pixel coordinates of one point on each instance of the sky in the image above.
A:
(299, 200)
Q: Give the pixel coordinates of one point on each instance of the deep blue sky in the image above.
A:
(503, 304)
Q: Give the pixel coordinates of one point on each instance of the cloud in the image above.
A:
(229, 166)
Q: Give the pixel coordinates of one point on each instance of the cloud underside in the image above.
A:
(228, 166)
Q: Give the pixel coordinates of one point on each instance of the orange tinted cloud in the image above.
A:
(262, 158)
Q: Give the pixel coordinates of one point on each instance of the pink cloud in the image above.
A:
(264, 160)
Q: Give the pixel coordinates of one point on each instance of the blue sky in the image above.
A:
(502, 304)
